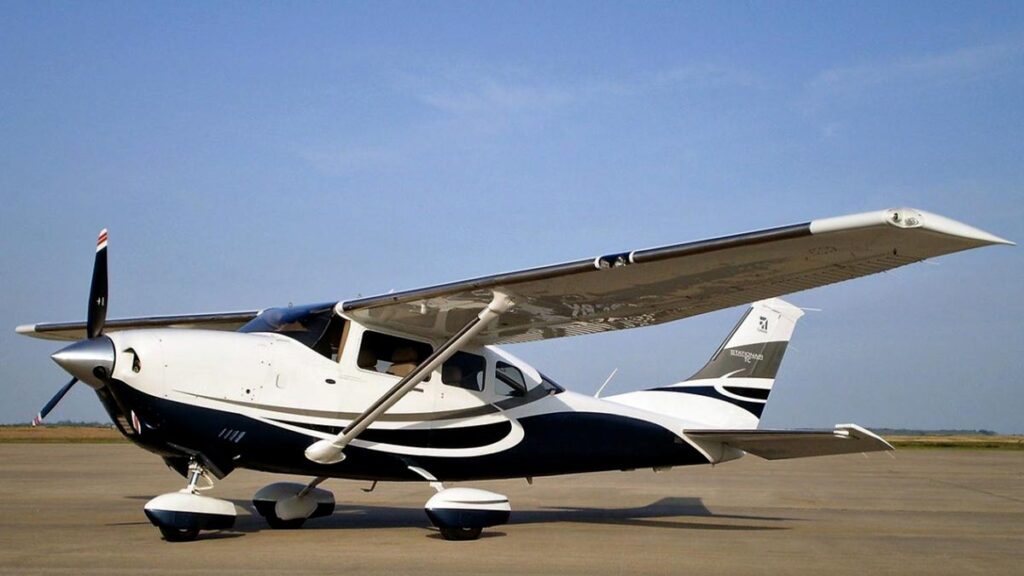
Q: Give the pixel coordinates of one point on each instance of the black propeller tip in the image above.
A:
(53, 402)
(97, 311)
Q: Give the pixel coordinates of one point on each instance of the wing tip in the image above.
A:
(908, 219)
(948, 226)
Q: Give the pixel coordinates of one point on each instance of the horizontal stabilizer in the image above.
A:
(782, 444)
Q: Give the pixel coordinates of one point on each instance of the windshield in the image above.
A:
(307, 324)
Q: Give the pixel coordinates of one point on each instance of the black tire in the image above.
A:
(460, 533)
(179, 534)
(277, 524)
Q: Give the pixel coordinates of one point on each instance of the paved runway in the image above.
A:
(78, 509)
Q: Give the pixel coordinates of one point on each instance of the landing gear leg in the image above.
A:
(181, 515)
(197, 472)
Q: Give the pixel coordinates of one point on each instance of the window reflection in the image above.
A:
(465, 371)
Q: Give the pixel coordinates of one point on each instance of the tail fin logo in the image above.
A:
(747, 356)
(763, 324)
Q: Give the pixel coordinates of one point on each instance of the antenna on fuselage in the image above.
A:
(607, 380)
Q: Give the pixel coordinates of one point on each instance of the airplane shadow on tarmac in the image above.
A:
(675, 513)
(681, 513)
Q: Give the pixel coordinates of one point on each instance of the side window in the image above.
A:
(508, 380)
(465, 371)
(329, 342)
(391, 354)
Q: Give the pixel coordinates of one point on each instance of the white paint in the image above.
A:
(468, 499)
(185, 501)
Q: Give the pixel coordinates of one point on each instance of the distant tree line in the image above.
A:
(914, 432)
(70, 423)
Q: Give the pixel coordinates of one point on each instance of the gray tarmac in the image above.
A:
(77, 508)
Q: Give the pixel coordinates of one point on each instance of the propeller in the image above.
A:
(53, 402)
(92, 359)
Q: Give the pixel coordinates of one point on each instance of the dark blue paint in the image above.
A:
(558, 443)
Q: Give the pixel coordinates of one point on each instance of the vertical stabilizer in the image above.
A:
(732, 389)
(756, 345)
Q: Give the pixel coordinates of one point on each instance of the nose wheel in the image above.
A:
(181, 515)
(172, 534)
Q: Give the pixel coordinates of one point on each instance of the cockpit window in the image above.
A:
(550, 385)
(508, 380)
(314, 325)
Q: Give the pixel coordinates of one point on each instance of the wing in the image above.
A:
(76, 330)
(781, 444)
(652, 286)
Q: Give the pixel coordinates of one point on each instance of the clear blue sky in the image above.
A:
(247, 155)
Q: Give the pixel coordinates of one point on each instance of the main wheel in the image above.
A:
(460, 533)
(179, 534)
(276, 523)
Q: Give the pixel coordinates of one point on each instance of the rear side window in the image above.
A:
(391, 354)
(508, 380)
(465, 371)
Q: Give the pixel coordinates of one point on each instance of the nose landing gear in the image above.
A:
(181, 515)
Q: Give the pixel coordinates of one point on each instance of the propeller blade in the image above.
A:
(72, 357)
(97, 315)
(53, 402)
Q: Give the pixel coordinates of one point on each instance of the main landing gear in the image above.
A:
(463, 513)
(181, 515)
(288, 505)
(458, 513)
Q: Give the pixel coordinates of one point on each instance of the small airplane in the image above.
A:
(411, 386)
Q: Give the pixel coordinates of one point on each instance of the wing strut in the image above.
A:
(330, 451)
